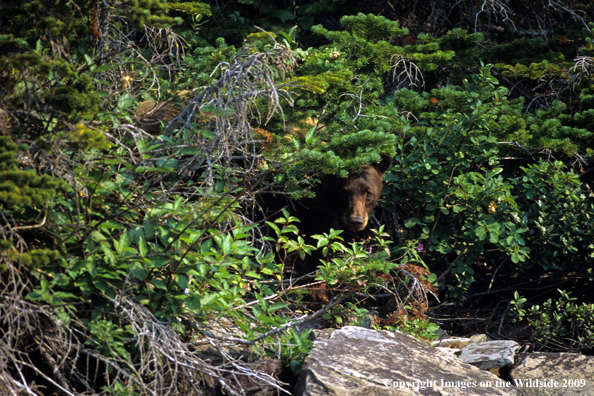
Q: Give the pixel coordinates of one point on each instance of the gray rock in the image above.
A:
(359, 361)
(450, 351)
(455, 343)
(490, 354)
(458, 342)
(559, 374)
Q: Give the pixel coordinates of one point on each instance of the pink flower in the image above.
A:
(420, 247)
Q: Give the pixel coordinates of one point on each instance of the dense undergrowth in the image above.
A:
(128, 251)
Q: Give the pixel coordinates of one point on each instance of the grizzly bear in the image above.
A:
(343, 204)
(340, 204)
(352, 200)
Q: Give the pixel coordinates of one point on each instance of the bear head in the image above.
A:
(357, 195)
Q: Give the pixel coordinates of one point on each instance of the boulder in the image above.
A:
(453, 343)
(359, 361)
(559, 374)
(490, 354)
(458, 342)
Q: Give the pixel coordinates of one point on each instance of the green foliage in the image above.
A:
(43, 76)
(165, 254)
(451, 174)
(356, 129)
(341, 154)
(363, 45)
(364, 268)
(161, 221)
(38, 77)
(205, 59)
(561, 324)
(25, 198)
(148, 12)
(195, 8)
(440, 173)
(32, 18)
(355, 264)
(419, 327)
(370, 27)
(22, 187)
(588, 48)
(503, 117)
(558, 217)
(525, 50)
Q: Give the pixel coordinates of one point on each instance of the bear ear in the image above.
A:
(383, 166)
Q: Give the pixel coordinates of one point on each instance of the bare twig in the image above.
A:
(405, 73)
(496, 8)
(227, 108)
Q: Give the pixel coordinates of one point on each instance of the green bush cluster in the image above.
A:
(557, 324)
(97, 214)
(452, 175)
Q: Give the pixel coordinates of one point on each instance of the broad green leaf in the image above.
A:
(413, 221)
(207, 299)
(480, 233)
(159, 284)
(142, 248)
(193, 303)
(182, 281)
(227, 244)
(276, 306)
(108, 253)
(97, 236)
(125, 241)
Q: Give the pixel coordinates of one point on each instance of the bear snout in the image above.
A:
(357, 223)
(355, 218)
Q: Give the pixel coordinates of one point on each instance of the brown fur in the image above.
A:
(357, 196)
(345, 204)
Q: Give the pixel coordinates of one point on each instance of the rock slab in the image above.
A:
(490, 354)
(358, 361)
(559, 374)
